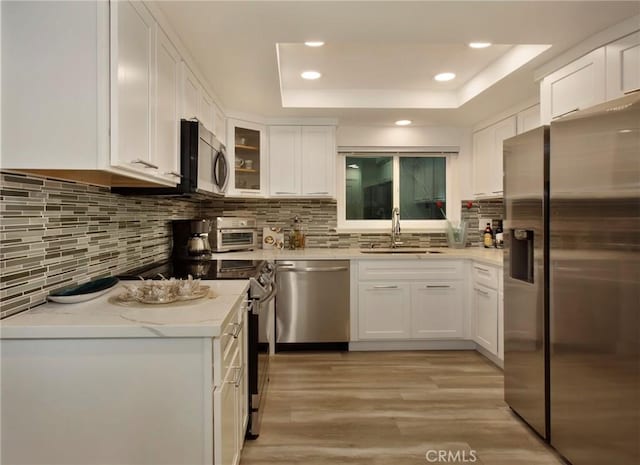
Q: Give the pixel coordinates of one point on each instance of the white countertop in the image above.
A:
(487, 256)
(101, 318)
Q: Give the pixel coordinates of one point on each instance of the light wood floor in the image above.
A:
(389, 408)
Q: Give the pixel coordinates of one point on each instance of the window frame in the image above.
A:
(371, 226)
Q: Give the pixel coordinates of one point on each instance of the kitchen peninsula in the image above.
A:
(95, 382)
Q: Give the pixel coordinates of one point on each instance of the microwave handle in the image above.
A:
(222, 181)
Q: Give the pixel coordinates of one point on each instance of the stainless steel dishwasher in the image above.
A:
(312, 304)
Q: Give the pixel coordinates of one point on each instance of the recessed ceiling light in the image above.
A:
(310, 75)
(314, 43)
(403, 122)
(480, 44)
(444, 76)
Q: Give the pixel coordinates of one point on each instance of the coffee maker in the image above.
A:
(191, 239)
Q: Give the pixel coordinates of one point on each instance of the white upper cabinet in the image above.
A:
(247, 151)
(196, 102)
(285, 147)
(623, 66)
(318, 161)
(205, 110)
(190, 94)
(125, 117)
(302, 161)
(487, 157)
(528, 119)
(132, 86)
(574, 87)
(219, 124)
(167, 130)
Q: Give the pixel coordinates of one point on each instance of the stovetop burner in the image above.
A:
(203, 269)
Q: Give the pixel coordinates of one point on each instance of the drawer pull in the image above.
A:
(484, 270)
(146, 164)
(438, 286)
(480, 291)
(385, 287)
(173, 173)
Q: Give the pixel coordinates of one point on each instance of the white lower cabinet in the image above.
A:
(485, 317)
(437, 310)
(227, 419)
(384, 310)
(409, 299)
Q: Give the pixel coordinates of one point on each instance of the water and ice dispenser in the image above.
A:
(521, 255)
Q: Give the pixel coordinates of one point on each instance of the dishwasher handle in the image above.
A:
(314, 269)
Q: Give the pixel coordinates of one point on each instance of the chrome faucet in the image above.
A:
(395, 228)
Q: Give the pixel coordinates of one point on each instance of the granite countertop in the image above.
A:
(101, 318)
(487, 256)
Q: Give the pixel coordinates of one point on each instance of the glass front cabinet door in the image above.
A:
(247, 156)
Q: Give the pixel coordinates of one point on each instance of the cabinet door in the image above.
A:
(501, 131)
(623, 66)
(318, 160)
(219, 124)
(247, 155)
(578, 85)
(132, 86)
(437, 310)
(167, 131)
(528, 119)
(205, 110)
(190, 93)
(485, 318)
(285, 147)
(226, 416)
(483, 146)
(384, 311)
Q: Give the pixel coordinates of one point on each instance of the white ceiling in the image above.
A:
(390, 47)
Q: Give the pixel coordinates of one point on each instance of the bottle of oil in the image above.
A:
(487, 237)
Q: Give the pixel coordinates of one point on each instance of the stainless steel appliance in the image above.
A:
(526, 195)
(262, 290)
(233, 233)
(579, 354)
(222, 234)
(204, 167)
(595, 284)
(312, 304)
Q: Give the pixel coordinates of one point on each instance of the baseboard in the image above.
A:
(355, 346)
(488, 355)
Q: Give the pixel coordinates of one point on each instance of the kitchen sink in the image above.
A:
(400, 250)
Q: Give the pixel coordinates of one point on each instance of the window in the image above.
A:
(377, 182)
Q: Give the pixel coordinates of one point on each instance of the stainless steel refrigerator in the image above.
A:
(526, 234)
(572, 367)
(595, 284)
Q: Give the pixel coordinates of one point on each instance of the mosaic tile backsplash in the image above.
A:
(54, 233)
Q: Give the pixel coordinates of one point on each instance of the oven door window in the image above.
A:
(236, 237)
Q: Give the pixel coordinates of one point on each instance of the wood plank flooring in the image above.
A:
(390, 408)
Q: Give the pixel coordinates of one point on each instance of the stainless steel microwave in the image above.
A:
(204, 168)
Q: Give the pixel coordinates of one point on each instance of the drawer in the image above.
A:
(485, 275)
(381, 270)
